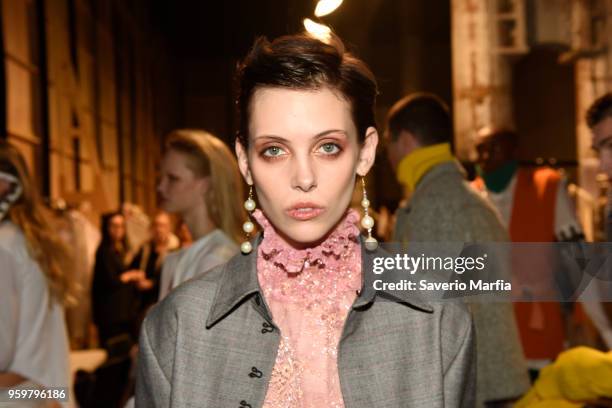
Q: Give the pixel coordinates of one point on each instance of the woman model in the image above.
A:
(114, 296)
(289, 322)
(200, 182)
(34, 287)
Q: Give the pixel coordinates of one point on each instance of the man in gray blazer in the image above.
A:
(442, 207)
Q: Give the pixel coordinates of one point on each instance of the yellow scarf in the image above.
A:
(414, 166)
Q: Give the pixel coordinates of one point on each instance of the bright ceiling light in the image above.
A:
(325, 7)
(320, 31)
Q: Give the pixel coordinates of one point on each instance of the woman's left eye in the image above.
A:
(329, 148)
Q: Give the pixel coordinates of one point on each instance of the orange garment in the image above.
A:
(532, 219)
(533, 210)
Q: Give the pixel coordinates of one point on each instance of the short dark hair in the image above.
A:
(303, 62)
(599, 110)
(424, 115)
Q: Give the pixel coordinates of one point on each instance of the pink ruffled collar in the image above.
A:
(336, 246)
(314, 276)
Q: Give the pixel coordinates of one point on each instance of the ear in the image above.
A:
(203, 184)
(368, 152)
(243, 163)
(409, 142)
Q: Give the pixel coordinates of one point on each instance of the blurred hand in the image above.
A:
(9, 379)
(144, 284)
(133, 275)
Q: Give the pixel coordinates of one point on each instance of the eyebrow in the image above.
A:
(317, 136)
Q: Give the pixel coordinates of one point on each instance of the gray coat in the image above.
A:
(444, 208)
(213, 343)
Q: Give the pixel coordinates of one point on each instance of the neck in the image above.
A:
(498, 180)
(306, 245)
(294, 258)
(198, 222)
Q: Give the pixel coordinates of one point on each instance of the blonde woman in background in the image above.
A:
(201, 183)
(35, 287)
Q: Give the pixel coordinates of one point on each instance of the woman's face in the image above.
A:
(302, 158)
(180, 190)
(161, 228)
(116, 228)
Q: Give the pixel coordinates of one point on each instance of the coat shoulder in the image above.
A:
(451, 192)
(455, 315)
(450, 209)
(194, 297)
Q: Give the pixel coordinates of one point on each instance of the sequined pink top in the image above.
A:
(310, 293)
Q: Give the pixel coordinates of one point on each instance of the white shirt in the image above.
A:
(565, 217)
(211, 250)
(33, 338)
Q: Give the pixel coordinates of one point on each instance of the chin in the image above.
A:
(305, 233)
(170, 208)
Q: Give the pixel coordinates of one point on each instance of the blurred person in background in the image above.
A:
(443, 208)
(582, 376)
(137, 228)
(114, 297)
(513, 190)
(145, 275)
(201, 183)
(599, 120)
(150, 258)
(35, 286)
(535, 207)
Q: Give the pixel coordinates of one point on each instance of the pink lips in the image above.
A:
(304, 211)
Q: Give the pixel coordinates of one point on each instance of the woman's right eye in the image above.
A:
(273, 151)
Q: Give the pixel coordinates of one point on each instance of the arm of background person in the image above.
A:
(9, 379)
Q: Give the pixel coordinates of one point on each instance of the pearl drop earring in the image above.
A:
(248, 226)
(367, 221)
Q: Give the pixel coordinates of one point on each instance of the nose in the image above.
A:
(304, 177)
(161, 186)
